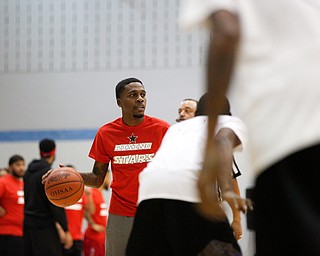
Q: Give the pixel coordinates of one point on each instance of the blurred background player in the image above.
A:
(40, 232)
(167, 222)
(187, 109)
(270, 65)
(11, 208)
(75, 215)
(96, 215)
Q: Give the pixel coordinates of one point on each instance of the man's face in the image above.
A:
(187, 110)
(133, 101)
(18, 168)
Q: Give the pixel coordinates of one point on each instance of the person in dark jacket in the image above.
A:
(40, 215)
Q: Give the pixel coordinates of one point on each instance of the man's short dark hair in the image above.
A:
(121, 85)
(15, 158)
(204, 102)
(47, 147)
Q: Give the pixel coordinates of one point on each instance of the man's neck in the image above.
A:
(132, 121)
(50, 160)
(15, 176)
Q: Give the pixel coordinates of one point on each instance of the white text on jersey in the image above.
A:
(133, 159)
(129, 147)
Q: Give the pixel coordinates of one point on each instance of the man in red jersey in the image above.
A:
(128, 143)
(11, 208)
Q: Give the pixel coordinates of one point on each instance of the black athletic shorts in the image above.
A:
(287, 206)
(41, 242)
(11, 245)
(172, 227)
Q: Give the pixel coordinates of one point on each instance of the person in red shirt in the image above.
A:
(11, 208)
(94, 243)
(128, 143)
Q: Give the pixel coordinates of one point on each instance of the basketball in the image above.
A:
(64, 186)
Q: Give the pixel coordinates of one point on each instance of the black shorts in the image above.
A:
(75, 250)
(11, 245)
(40, 242)
(287, 206)
(172, 227)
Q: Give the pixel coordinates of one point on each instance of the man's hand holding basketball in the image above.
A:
(45, 176)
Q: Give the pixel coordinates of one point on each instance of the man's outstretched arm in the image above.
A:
(221, 57)
(97, 176)
(91, 179)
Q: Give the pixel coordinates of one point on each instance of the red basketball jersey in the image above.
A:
(99, 216)
(75, 215)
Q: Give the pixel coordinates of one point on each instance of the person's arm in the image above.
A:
(89, 211)
(96, 227)
(90, 207)
(65, 237)
(91, 179)
(61, 233)
(236, 222)
(2, 211)
(226, 140)
(97, 176)
(59, 216)
(221, 56)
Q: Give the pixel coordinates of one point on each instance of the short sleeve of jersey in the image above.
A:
(197, 12)
(237, 126)
(98, 149)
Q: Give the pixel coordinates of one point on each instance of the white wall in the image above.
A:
(87, 100)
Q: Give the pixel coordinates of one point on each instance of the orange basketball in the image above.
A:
(64, 186)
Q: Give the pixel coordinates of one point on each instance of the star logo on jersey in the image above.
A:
(132, 138)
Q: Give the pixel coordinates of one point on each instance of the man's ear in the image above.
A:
(119, 102)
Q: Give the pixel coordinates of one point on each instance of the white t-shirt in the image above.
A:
(173, 172)
(275, 86)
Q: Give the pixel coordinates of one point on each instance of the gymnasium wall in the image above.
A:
(60, 61)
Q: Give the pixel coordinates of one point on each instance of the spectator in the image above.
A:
(11, 208)
(96, 215)
(187, 109)
(40, 232)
